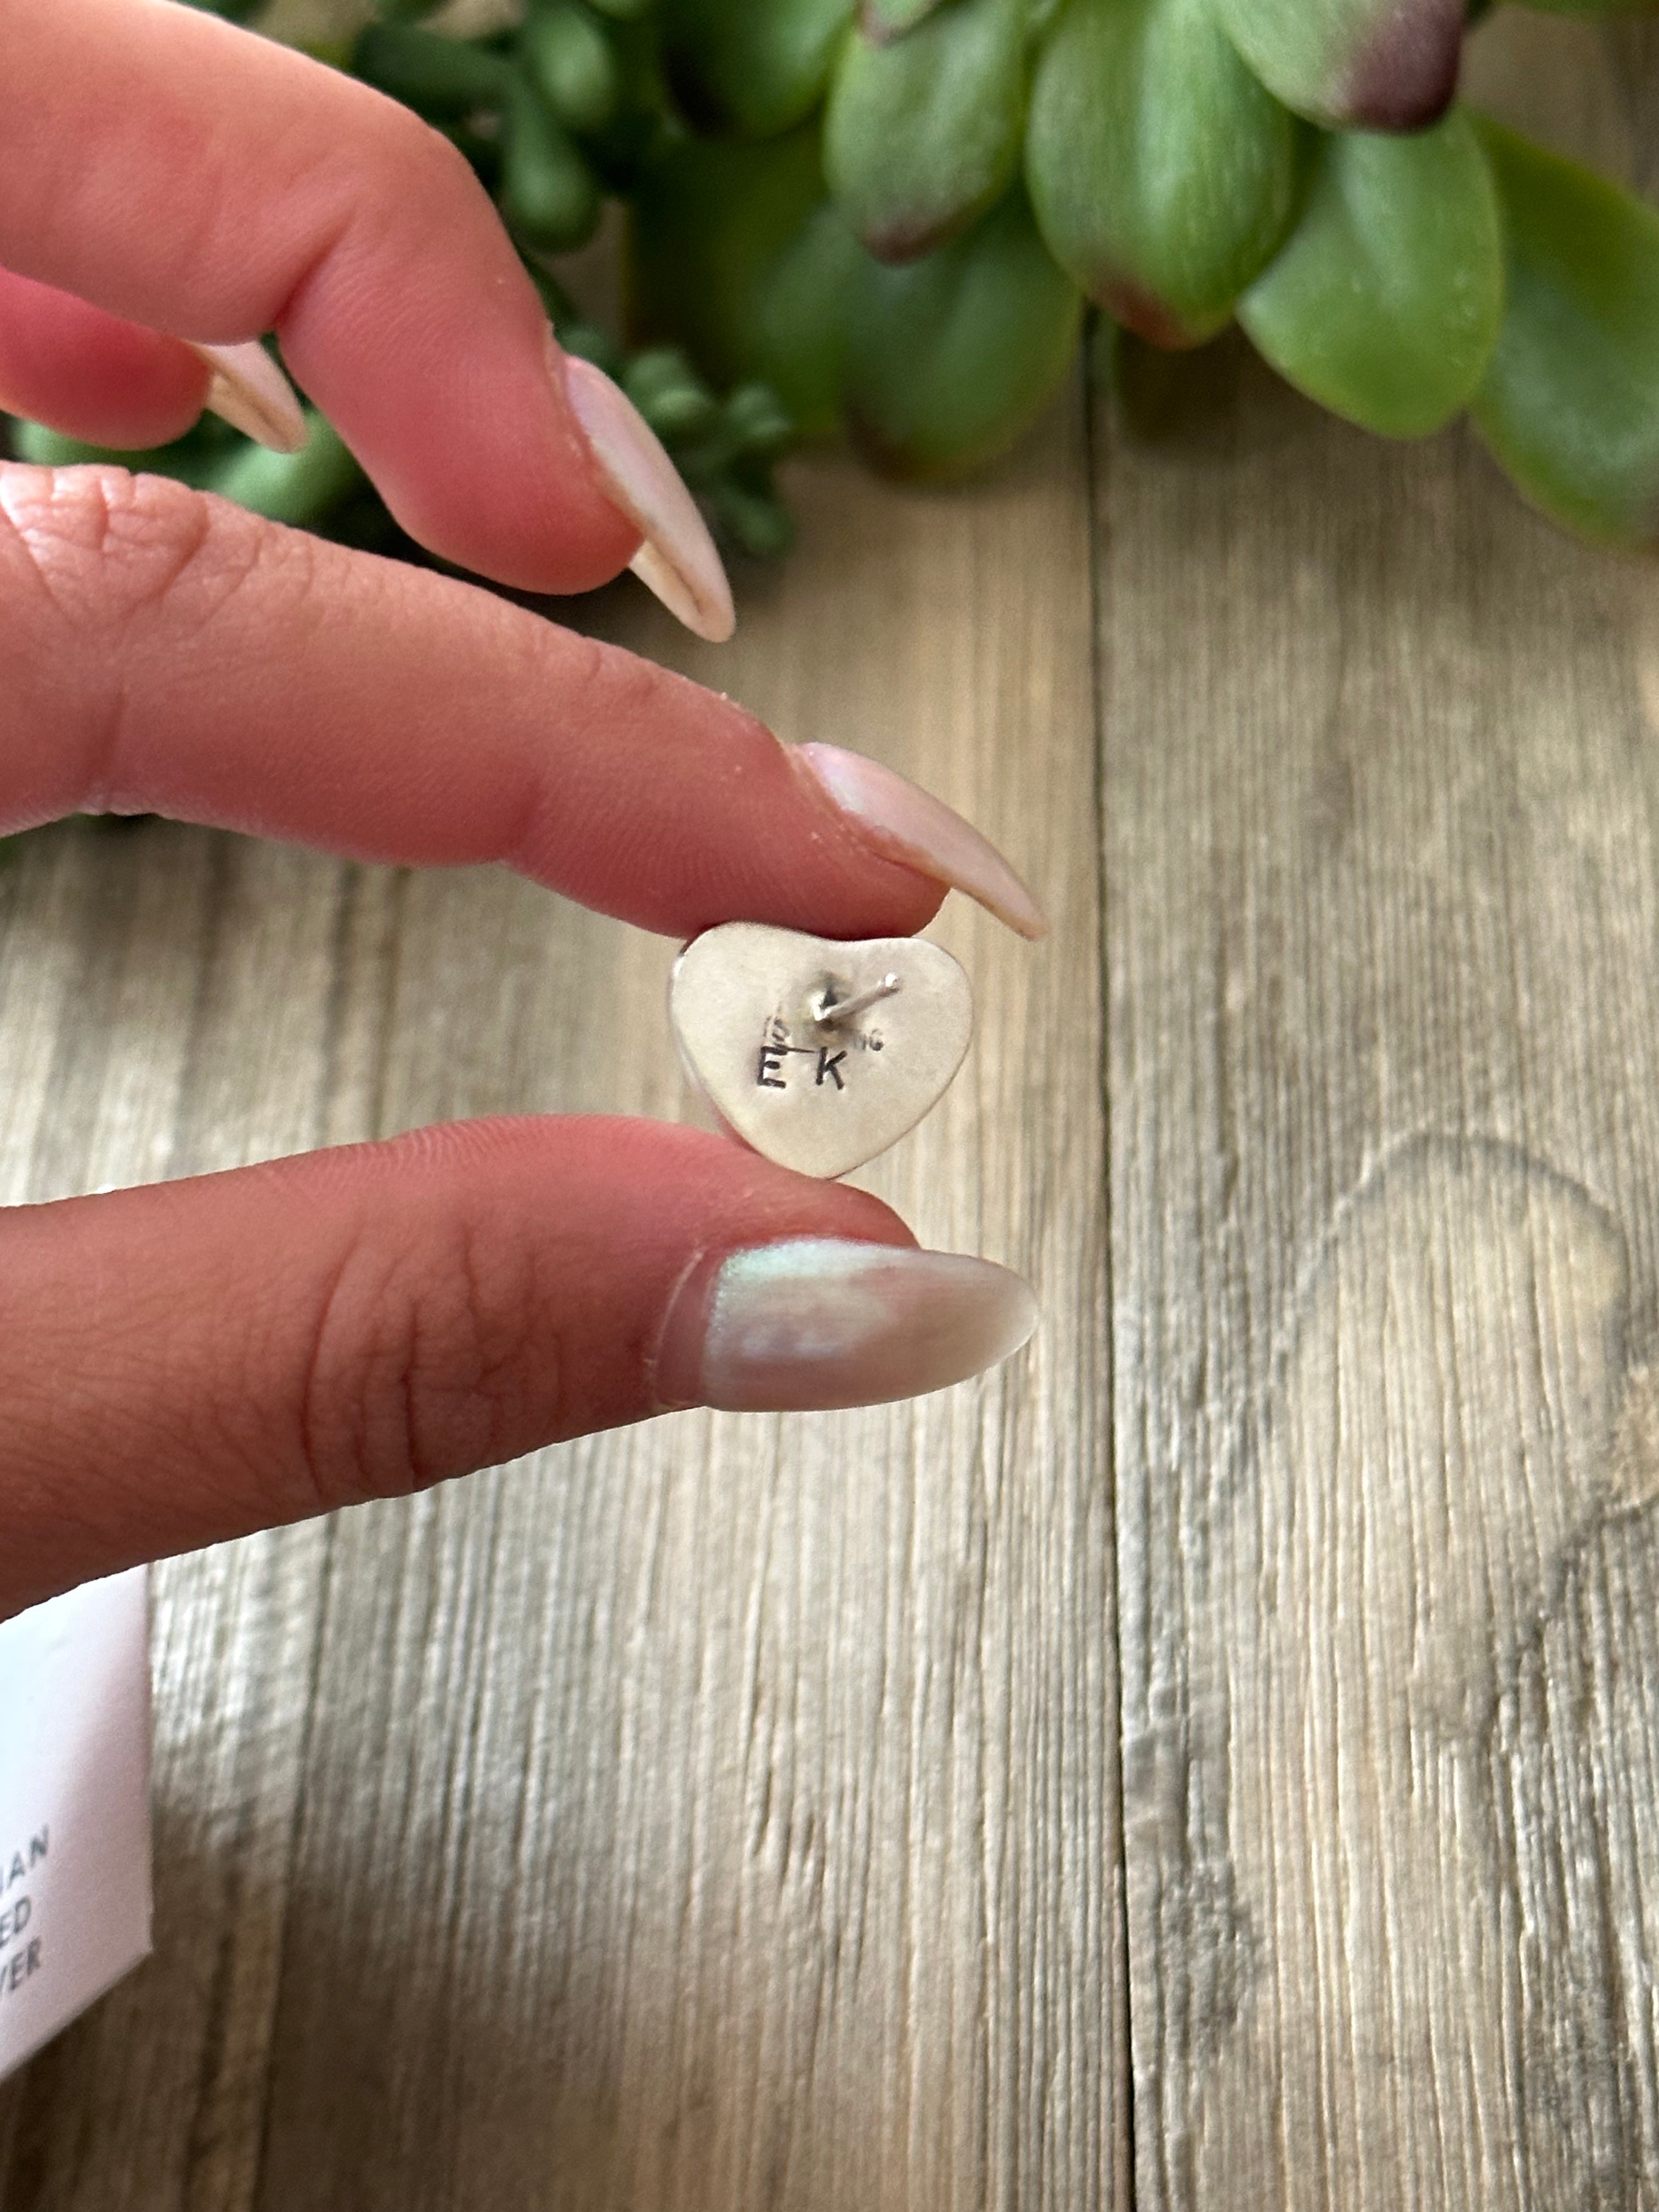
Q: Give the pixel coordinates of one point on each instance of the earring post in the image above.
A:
(844, 1009)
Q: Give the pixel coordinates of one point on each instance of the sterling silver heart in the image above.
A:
(819, 1053)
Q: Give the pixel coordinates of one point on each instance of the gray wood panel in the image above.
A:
(720, 1814)
(169, 1002)
(726, 1813)
(1383, 1063)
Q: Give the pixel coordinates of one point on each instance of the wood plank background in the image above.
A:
(1216, 1759)
(1381, 863)
(721, 1813)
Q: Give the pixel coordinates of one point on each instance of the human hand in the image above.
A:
(191, 1361)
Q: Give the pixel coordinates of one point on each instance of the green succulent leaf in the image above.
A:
(440, 77)
(572, 61)
(756, 522)
(1352, 64)
(923, 134)
(735, 253)
(549, 193)
(756, 66)
(1385, 304)
(800, 319)
(197, 458)
(1163, 176)
(667, 391)
(302, 489)
(708, 220)
(305, 488)
(882, 20)
(184, 459)
(1570, 405)
(949, 359)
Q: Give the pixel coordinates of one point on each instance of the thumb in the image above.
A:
(194, 1360)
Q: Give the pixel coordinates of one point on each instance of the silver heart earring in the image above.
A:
(819, 1053)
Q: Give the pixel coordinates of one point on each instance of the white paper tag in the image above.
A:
(75, 1832)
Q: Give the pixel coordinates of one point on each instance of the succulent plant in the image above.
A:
(554, 114)
(891, 218)
(1300, 166)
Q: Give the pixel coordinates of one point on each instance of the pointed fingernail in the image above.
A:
(677, 560)
(821, 1321)
(253, 395)
(901, 822)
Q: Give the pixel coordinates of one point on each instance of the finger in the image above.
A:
(196, 1360)
(91, 374)
(94, 377)
(190, 176)
(164, 650)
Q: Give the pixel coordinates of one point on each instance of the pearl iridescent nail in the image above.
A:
(815, 1322)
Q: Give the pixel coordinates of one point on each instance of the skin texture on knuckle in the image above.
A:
(103, 1384)
(97, 543)
(427, 1358)
(395, 217)
(423, 177)
(106, 576)
(386, 193)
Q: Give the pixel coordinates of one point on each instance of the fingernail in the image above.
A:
(905, 823)
(677, 560)
(820, 1322)
(253, 395)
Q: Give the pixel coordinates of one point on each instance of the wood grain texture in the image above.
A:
(1382, 802)
(721, 1814)
(725, 1815)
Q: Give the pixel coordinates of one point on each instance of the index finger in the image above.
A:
(161, 650)
(214, 185)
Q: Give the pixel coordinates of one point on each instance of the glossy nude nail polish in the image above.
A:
(677, 560)
(250, 392)
(901, 822)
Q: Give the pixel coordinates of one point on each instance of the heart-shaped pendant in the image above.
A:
(819, 1053)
